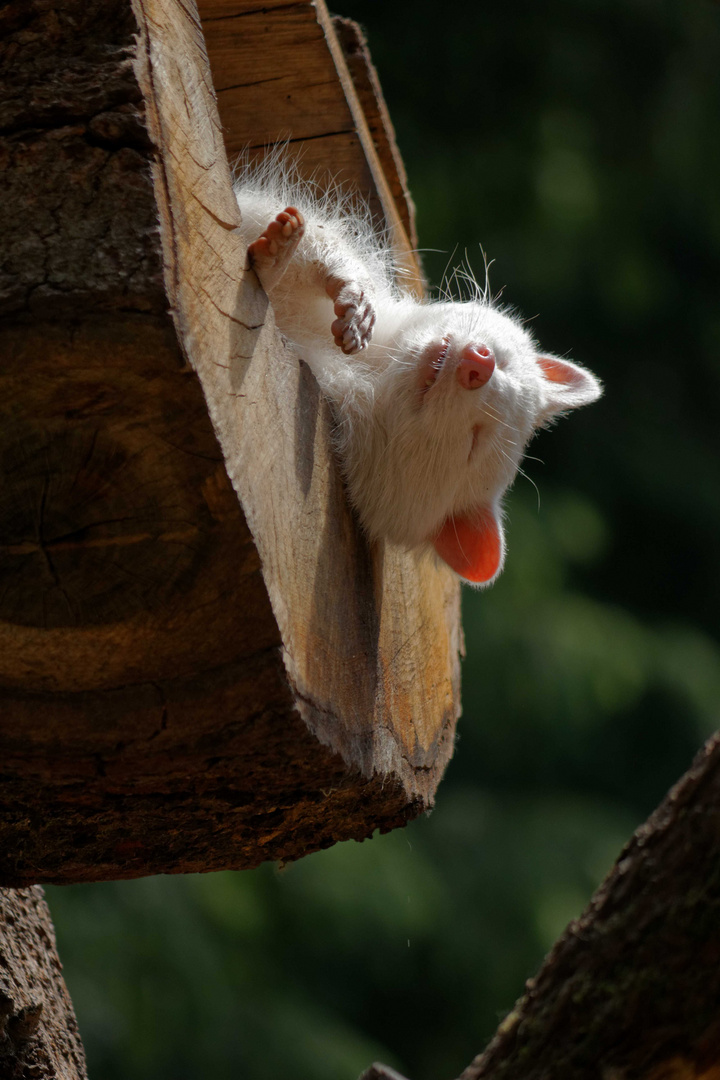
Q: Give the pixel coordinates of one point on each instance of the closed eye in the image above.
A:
(432, 366)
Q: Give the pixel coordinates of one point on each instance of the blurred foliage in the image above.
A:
(577, 142)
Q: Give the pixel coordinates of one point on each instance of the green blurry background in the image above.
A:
(578, 142)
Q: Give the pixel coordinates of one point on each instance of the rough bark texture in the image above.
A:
(632, 988)
(77, 216)
(38, 1031)
(631, 991)
(202, 663)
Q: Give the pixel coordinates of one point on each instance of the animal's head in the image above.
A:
(476, 387)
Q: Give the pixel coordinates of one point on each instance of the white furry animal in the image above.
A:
(435, 401)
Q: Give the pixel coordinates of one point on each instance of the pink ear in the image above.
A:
(569, 385)
(472, 545)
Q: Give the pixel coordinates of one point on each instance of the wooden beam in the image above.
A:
(281, 72)
(202, 663)
(368, 91)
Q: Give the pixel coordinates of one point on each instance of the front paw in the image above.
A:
(273, 250)
(353, 327)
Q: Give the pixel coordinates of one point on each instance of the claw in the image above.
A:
(352, 329)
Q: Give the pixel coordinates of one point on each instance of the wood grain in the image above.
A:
(202, 663)
(282, 73)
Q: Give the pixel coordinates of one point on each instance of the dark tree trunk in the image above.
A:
(631, 990)
(38, 1032)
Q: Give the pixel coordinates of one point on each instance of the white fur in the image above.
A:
(407, 455)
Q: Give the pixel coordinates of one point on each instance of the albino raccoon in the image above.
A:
(435, 401)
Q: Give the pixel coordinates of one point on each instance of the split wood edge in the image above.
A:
(399, 716)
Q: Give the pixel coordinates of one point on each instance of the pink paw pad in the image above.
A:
(272, 251)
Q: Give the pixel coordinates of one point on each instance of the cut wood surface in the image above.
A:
(38, 1032)
(282, 73)
(202, 662)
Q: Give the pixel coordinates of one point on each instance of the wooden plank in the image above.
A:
(280, 74)
(370, 98)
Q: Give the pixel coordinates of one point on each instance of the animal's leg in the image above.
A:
(353, 326)
(271, 253)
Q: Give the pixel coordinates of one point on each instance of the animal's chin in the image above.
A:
(432, 363)
(477, 432)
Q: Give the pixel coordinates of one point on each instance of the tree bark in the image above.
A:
(631, 990)
(202, 662)
(38, 1031)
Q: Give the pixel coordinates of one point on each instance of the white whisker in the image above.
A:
(418, 445)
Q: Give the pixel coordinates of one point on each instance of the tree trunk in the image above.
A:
(38, 1031)
(631, 990)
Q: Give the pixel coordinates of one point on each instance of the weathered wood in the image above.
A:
(202, 663)
(38, 1031)
(281, 73)
(370, 99)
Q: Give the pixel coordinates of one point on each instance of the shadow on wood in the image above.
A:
(202, 663)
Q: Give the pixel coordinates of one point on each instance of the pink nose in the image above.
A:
(477, 363)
